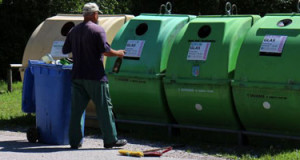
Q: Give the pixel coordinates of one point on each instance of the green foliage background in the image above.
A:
(19, 18)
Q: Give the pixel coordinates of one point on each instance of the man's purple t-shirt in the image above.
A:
(87, 42)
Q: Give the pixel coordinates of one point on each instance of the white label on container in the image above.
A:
(198, 51)
(134, 48)
(56, 50)
(273, 44)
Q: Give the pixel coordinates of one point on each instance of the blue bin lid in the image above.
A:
(31, 62)
(42, 63)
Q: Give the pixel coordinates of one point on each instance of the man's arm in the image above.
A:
(112, 53)
(67, 48)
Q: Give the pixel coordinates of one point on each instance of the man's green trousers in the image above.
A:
(98, 92)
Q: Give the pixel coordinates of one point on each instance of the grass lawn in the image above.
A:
(12, 118)
(11, 114)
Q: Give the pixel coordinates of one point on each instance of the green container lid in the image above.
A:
(270, 51)
(148, 39)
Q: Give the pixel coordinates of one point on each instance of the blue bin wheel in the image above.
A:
(32, 135)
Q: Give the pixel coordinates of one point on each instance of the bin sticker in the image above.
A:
(198, 51)
(134, 48)
(56, 50)
(273, 44)
(195, 71)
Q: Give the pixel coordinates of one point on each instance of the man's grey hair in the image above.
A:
(87, 14)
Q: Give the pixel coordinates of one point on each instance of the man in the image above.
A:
(87, 42)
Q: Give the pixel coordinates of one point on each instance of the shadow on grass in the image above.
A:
(20, 123)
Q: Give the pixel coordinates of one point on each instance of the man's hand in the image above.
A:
(121, 53)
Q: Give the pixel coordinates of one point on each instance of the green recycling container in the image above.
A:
(201, 67)
(266, 84)
(137, 89)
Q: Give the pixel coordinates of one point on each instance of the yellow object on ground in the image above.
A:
(148, 153)
(131, 153)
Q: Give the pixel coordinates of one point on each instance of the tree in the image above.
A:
(263, 7)
(19, 18)
(213, 7)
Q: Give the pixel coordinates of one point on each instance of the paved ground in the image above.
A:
(14, 146)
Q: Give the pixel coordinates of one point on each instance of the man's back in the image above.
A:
(87, 42)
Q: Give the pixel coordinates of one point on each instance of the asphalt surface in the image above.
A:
(14, 146)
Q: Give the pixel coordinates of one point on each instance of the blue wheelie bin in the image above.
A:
(52, 87)
(28, 95)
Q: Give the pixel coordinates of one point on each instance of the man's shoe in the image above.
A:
(118, 143)
(76, 147)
